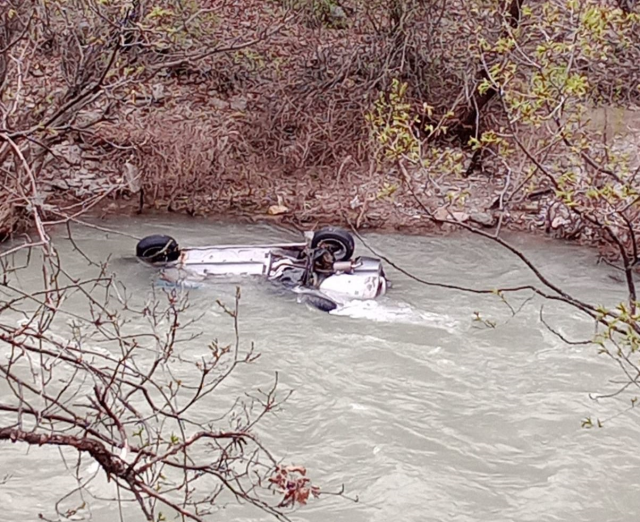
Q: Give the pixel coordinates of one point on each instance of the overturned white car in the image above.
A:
(320, 270)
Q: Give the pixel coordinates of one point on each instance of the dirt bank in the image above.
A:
(359, 200)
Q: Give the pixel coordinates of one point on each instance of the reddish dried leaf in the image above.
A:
(302, 496)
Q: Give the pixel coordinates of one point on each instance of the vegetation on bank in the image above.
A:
(311, 107)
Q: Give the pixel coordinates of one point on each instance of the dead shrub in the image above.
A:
(176, 154)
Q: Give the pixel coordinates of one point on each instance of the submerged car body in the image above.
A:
(321, 270)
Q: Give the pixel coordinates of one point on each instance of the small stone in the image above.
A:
(337, 12)
(441, 214)
(157, 92)
(558, 222)
(444, 214)
(276, 210)
(484, 219)
(238, 103)
(217, 103)
(460, 217)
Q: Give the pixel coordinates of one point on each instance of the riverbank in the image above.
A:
(298, 115)
(367, 203)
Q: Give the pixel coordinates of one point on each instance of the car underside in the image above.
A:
(321, 270)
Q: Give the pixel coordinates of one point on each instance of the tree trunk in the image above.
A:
(469, 123)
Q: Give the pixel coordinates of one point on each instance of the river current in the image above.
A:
(422, 411)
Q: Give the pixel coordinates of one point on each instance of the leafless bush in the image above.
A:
(66, 67)
(175, 154)
(91, 369)
(81, 376)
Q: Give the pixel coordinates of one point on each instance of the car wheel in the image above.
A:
(158, 249)
(337, 241)
(317, 301)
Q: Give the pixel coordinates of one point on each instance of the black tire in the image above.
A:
(321, 303)
(337, 241)
(158, 249)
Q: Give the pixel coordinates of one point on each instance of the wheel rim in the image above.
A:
(336, 248)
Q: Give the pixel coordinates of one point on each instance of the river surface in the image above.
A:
(422, 412)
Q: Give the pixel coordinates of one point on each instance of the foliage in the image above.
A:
(392, 124)
(541, 78)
